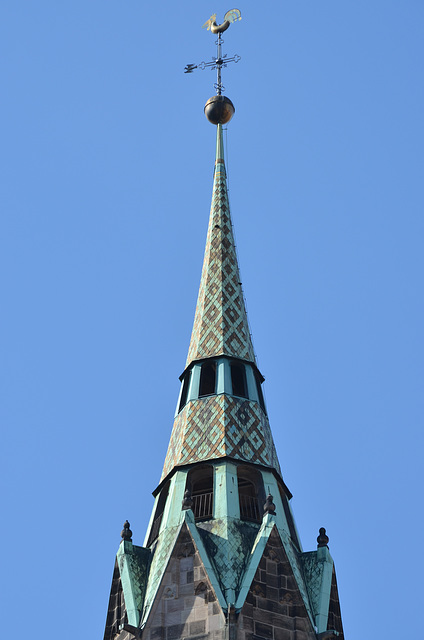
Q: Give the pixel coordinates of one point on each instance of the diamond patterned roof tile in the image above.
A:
(220, 304)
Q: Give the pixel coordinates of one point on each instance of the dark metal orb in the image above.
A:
(219, 110)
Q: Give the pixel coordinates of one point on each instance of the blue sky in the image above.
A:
(106, 167)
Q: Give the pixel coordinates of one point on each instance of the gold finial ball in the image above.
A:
(219, 110)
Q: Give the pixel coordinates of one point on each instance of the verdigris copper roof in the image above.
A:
(220, 322)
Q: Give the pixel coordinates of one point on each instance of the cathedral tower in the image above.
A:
(222, 559)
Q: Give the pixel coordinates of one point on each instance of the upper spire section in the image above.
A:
(220, 322)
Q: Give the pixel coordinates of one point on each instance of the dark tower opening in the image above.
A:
(260, 394)
(238, 380)
(251, 493)
(207, 379)
(154, 531)
(186, 382)
(200, 484)
(289, 517)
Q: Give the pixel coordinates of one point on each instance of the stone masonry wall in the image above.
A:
(186, 605)
(274, 608)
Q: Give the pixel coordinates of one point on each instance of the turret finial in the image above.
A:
(322, 539)
(126, 533)
(188, 500)
(269, 506)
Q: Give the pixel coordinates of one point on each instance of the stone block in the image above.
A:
(172, 618)
(248, 610)
(167, 579)
(176, 631)
(267, 605)
(200, 613)
(247, 623)
(157, 618)
(215, 623)
(272, 593)
(281, 622)
(302, 624)
(271, 567)
(302, 635)
(263, 630)
(173, 605)
(156, 633)
(282, 634)
(186, 589)
(186, 564)
(188, 615)
(197, 627)
(199, 601)
(273, 581)
(199, 573)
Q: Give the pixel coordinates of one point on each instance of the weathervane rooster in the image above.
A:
(231, 16)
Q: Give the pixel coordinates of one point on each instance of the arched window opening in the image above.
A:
(184, 392)
(251, 494)
(289, 517)
(200, 483)
(207, 379)
(260, 394)
(238, 380)
(154, 531)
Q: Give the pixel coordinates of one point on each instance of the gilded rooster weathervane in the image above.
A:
(220, 60)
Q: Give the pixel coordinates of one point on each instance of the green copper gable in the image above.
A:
(220, 322)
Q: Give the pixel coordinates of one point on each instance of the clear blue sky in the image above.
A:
(106, 178)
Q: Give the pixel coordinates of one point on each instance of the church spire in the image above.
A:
(220, 323)
(222, 558)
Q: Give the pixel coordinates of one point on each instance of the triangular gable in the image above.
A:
(255, 557)
(186, 603)
(162, 553)
(267, 529)
(274, 606)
